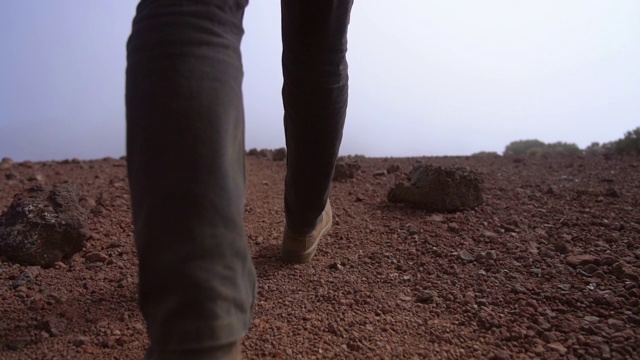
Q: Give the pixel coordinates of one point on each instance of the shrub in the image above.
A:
(522, 147)
(594, 149)
(562, 148)
(486, 154)
(629, 144)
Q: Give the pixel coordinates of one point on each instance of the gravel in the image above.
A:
(389, 281)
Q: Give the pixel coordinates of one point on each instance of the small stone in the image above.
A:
(412, 229)
(25, 279)
(543, 324)
(81, 341)
(565, 287)
(464, 255)
(454, 228)
(54, 326)
(549, 337)
(345, 169)
(59, 265)
(335, 266)
(591, 319)
(490, 255)
(616, 325)
(427, 297)
(36, 177)
(393, 168)
(624, 271)
(562, 247)
(536, 272)
(559, 348)
(380, 173)
(96, 257)
(581, 260)
(87, 203)
(590, 269)
(611, 192)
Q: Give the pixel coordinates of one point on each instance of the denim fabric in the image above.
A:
(185, 152)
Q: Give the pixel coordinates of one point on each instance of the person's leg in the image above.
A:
(185, 152)
(314, 37)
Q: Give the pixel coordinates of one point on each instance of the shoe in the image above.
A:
(298, 248)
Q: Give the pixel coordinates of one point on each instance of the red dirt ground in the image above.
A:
(388, 282)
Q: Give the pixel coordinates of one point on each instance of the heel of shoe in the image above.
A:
(292, 256)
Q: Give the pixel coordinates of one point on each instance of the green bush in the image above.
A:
(629, 144)
(594, 149)
(539, 148)
(486, 154)
(562, 148)
(523, 147)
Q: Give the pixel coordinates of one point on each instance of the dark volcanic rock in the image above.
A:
(439, 189)
(43, 225)
(345, 169)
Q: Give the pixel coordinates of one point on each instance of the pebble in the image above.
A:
(80, 341)
(536, 272)
(490, 255)
(466, 256)
(591, 319)
(25, 279)
(557, 347)
(59, 265)
(581, 260)
(427, 297)
(565, 287)
(96, 257)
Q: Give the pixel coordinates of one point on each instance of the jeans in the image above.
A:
(185, 152)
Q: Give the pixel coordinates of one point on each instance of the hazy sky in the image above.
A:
(427, 77)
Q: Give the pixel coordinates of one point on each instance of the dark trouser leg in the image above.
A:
(185, 150)
(314, 37)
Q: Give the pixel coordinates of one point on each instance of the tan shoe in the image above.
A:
(297, 248)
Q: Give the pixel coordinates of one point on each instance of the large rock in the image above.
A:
(439, 189)
(346, 168)
(43, 225)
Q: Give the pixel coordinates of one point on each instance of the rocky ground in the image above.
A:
(548, 267)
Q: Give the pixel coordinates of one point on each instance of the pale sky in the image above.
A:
(427, 77)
